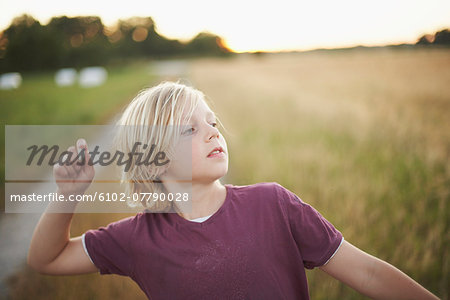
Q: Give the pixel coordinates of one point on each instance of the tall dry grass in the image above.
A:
(363, 136)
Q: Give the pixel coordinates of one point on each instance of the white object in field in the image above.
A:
(92, 76)
(168, 68)
(65, 77)
(10, 81)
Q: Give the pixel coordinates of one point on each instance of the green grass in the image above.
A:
(39, 101)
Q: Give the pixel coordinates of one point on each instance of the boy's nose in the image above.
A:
(214, 133)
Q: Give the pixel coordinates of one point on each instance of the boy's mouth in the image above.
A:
(216, 150)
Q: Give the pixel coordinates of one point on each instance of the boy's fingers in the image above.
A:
(72, 174)
(70, 161)
(82, 146)
(81, 143)
(60, 171)
(88, 156)
(70, 164)
(78, 156)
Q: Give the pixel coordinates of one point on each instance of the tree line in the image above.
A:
(439, 38)
(27, 45)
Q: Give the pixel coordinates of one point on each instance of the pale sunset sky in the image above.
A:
(261, 25)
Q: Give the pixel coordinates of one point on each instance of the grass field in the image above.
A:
(361, 135)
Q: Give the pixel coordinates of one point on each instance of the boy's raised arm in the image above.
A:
(52, 251)
(373, 277)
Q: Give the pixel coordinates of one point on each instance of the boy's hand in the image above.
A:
(74, 176)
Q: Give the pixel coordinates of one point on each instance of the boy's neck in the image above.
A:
(205, 200)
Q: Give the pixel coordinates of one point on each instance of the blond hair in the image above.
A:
(155, 116)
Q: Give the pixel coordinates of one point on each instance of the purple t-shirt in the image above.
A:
(255, 246)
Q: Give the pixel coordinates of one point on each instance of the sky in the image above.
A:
(248, 25)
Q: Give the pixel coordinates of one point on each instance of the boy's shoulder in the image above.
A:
(259, 187)
(260, 190)
(123, 223)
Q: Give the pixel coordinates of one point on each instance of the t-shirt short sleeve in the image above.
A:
(109, 247)
(317, 239)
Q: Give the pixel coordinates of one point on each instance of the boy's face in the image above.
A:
(204, 136)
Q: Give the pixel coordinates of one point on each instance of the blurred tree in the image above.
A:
(207, 43)
(426, 39)
(138, 37)
(124, 45)
(157, 45)
(442, 37)
(29, 46)
(439, 38)
(82, 41)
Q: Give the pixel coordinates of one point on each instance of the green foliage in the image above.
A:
(83, 41)
(29, 46)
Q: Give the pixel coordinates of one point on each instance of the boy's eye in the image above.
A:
(189, 131)
(214, 124)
